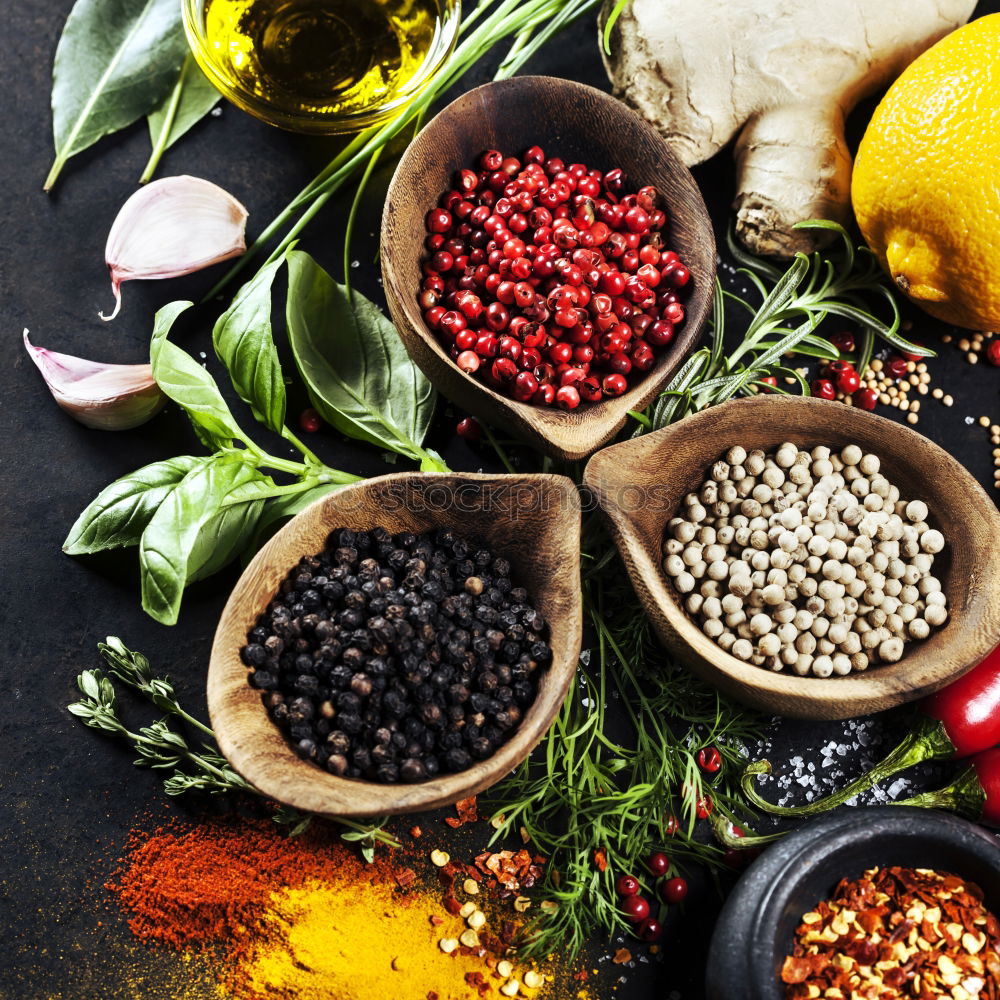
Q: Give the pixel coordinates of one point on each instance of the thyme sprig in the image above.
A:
(161, 747)
(785, 321)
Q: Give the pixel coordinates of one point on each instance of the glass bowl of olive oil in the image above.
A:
(321, 66)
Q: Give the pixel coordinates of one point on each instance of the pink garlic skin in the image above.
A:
(172, 227)
(105, 397)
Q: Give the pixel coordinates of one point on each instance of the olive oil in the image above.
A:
(328, 57)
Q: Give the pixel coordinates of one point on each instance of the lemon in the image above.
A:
(926, 185)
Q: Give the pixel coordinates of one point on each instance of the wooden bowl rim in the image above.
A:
(554, 430)
(608, 469)
(261, 754)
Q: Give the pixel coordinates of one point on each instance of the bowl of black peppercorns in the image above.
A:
(402, 643)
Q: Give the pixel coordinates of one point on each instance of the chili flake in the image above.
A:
(897, 932)
(467, 813)
(601, 859)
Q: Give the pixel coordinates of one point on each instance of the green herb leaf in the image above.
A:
(243, 343)
(191, 98)
(281, 509)
(168, 542)
(118, 515)
(115, 61)
(359, 376)
(188, 383)
(225, 535)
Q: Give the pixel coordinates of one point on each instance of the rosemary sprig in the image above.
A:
(162, 748)
(798, 301)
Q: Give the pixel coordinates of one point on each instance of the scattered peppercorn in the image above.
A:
(397, 657)
(547, 281)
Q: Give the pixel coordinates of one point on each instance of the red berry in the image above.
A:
(310, 421)
(897, 367)
(671, 826)
(822, 388)
(844, 342)
(468, 361)
(637, 220)
(438, 220)
(703, 808)
(658, 863)
(848, 382)
(768, 380)
(993, 353)
(865, 399)
(912, 357)
(567, 398)
(709, 759)
(635, 909)
(678, 276)
(525, 386)
(836, 368)
(452, 323)
(614, 385)
(627, 885)
(650, 930)
(673, 890)
(503, 370)
(590, 389)
(469, 429)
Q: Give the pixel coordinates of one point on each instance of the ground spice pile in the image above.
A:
(897, 932)
(303, 918)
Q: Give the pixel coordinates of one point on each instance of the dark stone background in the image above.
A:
(69, 798)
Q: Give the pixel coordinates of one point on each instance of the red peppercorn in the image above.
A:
(848, 382)
(671, 826)
(660, 332)
(452, 323)
(503, 370)
(674, 890)
(865, 399)
(678, 276)
(627, 885)
(468, 361)
(438, 220)
(844, 342)
(703, 807)
(614, 385)
(567, 398)
(768, 381)
(635, 909)
(993, 353)
(908, 356)
(545, 395)
(650, 930)
(469, 429)
(836, 368)
(310, 421)
(590, 389)
(897, 367)
(822, 388)
(658, 863)
(709, 759)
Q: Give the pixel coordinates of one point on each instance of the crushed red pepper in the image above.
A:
(467, 813)
(897, 932)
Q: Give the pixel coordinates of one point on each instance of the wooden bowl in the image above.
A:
(534, 521)
(578, 124)
(640, 484)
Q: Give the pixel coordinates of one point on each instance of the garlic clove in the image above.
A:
(107, 397)
(171, 227)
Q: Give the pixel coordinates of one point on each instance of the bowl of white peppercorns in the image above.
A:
(402, 643)
(808, 559)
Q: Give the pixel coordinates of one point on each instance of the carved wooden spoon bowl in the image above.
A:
(577, 124)
(534, 521)
(640, 484)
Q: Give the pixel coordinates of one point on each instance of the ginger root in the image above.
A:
(782, 76)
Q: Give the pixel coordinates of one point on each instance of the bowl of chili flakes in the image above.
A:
(784, 932)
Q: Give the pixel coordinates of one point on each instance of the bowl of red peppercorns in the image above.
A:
(548, 261)
(401, 644)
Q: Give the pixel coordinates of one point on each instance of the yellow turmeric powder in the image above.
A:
(323, 941)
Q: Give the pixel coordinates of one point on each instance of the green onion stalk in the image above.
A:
(527, 25)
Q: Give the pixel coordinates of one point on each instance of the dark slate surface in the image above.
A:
(69, 798)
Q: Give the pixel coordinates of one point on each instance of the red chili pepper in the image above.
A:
(974, 793)
(959, 721)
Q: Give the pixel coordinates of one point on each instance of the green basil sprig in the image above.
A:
(359, 376)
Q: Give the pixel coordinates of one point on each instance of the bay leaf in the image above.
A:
(116, 60)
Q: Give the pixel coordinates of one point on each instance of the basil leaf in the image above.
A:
(115, 61)
(243, 343)
(188, 383)
(171, 536)
(282, 509)
(359, 376)
(191, 98)
(118, 515)
(227, 532)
